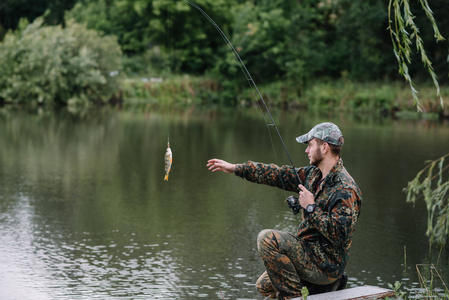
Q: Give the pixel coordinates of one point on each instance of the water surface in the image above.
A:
(85, 213)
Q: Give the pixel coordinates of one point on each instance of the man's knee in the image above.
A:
(266, 241)
(264, 235)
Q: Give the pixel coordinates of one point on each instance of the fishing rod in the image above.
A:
(247, 75)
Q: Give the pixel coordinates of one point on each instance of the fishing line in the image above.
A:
(168, 45)
(168, 64)
(168, 155)
(249, 78)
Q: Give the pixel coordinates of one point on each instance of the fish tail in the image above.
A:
(166, 177)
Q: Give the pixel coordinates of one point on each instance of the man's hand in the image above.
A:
(305, 197)
(220, 165)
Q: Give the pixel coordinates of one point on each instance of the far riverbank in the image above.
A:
(383, 98)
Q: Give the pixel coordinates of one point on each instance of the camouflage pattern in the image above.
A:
(328, 132)
(319, 251)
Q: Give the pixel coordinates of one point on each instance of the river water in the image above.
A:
(85, 213)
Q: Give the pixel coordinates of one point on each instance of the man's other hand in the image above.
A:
(220, 165)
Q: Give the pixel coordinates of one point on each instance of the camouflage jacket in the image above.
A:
(326, 233)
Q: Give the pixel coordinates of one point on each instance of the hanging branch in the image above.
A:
(436, 197)
(401, 19)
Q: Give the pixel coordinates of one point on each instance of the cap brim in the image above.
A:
(303, 138)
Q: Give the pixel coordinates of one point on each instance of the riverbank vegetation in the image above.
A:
(326, 55)
(384, 98)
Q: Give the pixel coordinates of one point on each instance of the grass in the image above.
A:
(431, 283)
(179, 90)
(386, 98)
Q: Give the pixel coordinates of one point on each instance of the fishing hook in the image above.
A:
(247, 75)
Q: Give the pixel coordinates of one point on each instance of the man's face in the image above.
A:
(314, 152)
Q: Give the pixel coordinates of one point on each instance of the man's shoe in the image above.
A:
(340, 284)
(343, 282)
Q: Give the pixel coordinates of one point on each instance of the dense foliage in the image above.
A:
(11, 11)
(278, 40)
(47, 64)
(160, 29)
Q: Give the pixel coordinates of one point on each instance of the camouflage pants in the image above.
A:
(286, 262)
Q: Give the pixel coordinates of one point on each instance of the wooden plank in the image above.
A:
(360, 292)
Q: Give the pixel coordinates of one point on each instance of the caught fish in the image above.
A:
(168, 161)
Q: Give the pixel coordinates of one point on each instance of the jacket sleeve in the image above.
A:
(270, 174)
(338, 223)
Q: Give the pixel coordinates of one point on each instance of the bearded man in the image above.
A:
(330, 200)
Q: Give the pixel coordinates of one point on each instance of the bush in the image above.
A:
(52, 64)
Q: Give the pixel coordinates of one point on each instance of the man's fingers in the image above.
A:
(215, 165)
(212, 162)
(214, 168)
(303, 189)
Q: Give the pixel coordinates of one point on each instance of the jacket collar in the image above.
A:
(332, 177)
(333, 173)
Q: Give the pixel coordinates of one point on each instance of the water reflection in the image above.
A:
(85, 213)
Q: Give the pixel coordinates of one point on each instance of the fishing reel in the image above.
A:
(293, 203)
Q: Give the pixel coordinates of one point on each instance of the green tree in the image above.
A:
(128, 20)
(360, 44)
(302, 41)
(173, 28)
(11, 11)
(52, 64)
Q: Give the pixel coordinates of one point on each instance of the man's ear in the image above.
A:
(326, 147)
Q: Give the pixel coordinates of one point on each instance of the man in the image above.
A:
(330, 199)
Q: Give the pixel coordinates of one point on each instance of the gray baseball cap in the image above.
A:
(328, 132)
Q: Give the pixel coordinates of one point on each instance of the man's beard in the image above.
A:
(317, 158)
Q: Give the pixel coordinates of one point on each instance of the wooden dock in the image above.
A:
(360, 292)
